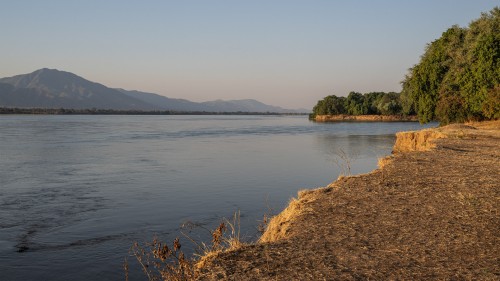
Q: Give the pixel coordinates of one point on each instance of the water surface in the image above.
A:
(76, 191)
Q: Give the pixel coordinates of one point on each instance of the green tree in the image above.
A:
(330, 105)
(360, 104)
(457, 74)
(354, 103)
(370, 102)
(389, 104)
(491, 106)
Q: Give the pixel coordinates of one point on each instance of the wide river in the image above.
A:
(77, 191)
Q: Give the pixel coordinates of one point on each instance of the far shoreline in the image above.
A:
(95, 111)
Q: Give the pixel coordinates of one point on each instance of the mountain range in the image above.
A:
(51, 88)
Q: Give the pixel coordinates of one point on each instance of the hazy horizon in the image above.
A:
(283, 53)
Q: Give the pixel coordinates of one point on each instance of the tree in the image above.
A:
(491, 106)
(330, 105)
(360, 104)
(370, 102)
(354, 104)
(457, 74)
(389, 104)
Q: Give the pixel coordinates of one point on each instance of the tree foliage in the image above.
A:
(378, 103)
(458, 76)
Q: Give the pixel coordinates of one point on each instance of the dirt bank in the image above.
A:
(427, 214)
(365, 118)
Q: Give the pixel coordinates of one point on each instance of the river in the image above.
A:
(77, 191)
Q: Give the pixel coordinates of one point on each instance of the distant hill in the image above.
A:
(51, 88)
(163, 102)
(248, 105)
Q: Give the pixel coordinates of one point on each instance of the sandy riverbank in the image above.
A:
(432, 211)
(365, 118)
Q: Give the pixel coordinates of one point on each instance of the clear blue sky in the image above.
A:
(288, 53)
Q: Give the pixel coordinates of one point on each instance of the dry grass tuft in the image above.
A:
(304, 192)
(280, 224)
(417, 141)
(384, 161)
(222, 241)
(160, 261)
(343, 160)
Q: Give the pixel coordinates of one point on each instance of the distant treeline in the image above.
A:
(378, 103)
(66, 111)
(456, 80)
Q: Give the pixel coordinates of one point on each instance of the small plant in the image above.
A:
(126, 268)
(262, 226)
(159, 261)
(343, 161)
(225, 237)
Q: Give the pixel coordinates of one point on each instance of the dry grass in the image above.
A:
(160, 261)
(426, 215)
(278, 226)
(423, 140)
(384, 161)
(343, 160)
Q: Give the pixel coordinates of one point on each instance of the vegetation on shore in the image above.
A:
(94, 111)
(375, 103)
(458, 77)
(365, 118)
(159, 261)
(456, 80)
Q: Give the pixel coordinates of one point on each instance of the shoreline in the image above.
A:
(94, 111)
(365, 118)
(430, 211)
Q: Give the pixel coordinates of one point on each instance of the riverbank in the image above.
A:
(365, 118)
(430, 212)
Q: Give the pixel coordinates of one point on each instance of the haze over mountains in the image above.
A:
(51, 88)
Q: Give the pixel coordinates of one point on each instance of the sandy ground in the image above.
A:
(424, 215)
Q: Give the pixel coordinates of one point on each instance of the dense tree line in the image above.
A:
(378, 103)
(456, 80)
(458, 76)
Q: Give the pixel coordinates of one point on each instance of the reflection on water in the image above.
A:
(76, 191)
(359, 151)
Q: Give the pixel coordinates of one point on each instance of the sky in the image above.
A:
(288, 53)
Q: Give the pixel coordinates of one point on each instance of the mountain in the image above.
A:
(247, 105)
(163, 102)
(51, 88)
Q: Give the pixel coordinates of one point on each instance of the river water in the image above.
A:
(77, 191)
